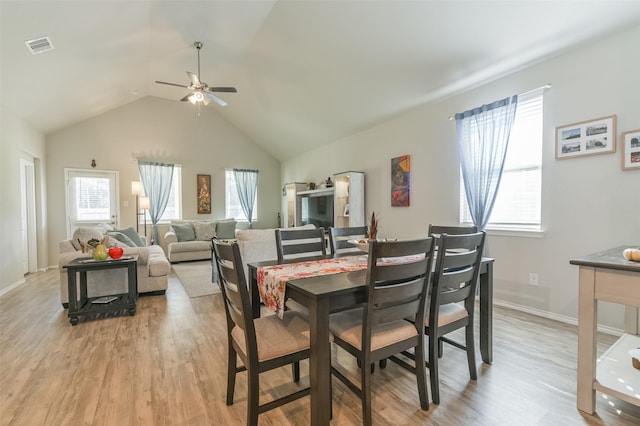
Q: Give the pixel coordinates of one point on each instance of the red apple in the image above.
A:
(116, 252)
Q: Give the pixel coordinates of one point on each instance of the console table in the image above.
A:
(607, 275)
(88, 306)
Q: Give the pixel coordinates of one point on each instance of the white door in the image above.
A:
(28, 213)
(92, 198)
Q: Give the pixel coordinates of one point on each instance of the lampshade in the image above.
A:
(136, 187)
(145, 203)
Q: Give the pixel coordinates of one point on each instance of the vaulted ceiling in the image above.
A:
(307, 72)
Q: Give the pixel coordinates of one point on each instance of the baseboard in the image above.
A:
(12, 286)
(556, 317)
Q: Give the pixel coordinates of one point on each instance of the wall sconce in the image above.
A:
(145, 204)
(136, 189)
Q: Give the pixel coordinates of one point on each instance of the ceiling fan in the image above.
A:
(200, 91)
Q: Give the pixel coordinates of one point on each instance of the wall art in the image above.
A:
(400, 182)
(597, 136)
(204, 194)
(630, 150)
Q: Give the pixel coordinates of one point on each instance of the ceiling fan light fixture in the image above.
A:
(200, 92)
(196, 97)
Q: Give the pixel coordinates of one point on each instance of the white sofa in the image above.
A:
(259, 244)
(189, 240)
(152, 266)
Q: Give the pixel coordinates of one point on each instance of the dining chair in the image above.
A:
(339, 237)
(436, 230)
(452, 300)
(292, 243)
(398, 278)
(262, 344)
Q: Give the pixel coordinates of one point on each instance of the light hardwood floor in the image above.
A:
(167, 366)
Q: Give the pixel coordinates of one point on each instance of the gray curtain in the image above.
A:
(156, 179)
(483, 135)
(247, 185)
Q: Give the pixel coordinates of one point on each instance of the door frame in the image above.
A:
(28, 216)
(89, 172)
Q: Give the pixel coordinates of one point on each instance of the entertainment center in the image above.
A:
(341, 205)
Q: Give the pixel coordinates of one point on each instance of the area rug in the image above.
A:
(195, 277)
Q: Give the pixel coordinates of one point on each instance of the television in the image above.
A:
(318, 210)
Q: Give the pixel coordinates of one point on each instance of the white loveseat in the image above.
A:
(152, 266)
(189, 240)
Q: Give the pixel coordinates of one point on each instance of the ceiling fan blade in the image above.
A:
(195, 81)
(186, 98)
(217, 100)
(172, 84)
(222, 89)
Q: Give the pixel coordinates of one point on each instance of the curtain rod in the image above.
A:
(546, 86)
(135, 160)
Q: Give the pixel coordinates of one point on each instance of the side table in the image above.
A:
(607, 275)
(87, 306)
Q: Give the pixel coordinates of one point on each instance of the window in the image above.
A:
(232, 207)
(91, 198)
(174, 205)
(518, 203)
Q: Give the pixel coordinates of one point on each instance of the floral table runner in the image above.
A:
(272, 280)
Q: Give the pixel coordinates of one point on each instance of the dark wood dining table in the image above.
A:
(329, 293)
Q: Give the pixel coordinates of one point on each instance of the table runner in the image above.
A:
(272, 280)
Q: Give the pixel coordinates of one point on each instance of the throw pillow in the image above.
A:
(226, 229)
(133, 236)
(84, 235)
(104, 227)
(122, 238)
(205, 231)
(184, 231)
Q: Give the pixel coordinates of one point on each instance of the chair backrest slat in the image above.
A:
(456, 274)
(235, 292)
(436, 230)
(339, 237)
(397, 290)
(293, 243)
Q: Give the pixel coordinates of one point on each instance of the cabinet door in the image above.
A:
(349, 199)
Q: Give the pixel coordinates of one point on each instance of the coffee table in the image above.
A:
(91, 306)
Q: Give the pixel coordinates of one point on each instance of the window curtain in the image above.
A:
(483, 135)
(156, 179)
(246, 185)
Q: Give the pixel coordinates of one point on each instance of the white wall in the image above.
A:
(163, 130)
(589, 203)
(19, 141)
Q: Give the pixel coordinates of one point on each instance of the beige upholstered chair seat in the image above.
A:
(449, 313)
(348, 326)
(292, 335)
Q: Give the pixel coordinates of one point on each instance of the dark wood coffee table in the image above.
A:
(90, 306)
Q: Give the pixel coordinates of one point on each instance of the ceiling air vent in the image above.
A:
(39, 45)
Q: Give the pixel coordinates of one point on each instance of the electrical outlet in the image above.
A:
(533, 279)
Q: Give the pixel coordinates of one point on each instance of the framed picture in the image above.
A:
(597, 136)
(204, 194)
(631, 150)
(400, 172)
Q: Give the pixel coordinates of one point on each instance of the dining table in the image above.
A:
(327, 293)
